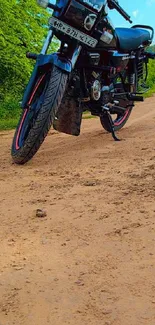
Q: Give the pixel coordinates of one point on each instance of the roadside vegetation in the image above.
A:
(22, 29)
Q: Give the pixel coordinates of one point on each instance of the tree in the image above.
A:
(22, 29)
(151, 48)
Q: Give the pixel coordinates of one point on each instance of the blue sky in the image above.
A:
(141, 11)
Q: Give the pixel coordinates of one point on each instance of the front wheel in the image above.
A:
(37, 118)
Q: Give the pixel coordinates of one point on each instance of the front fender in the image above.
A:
(46, 61)
(44, 64)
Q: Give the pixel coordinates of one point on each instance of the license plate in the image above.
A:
(72, 32)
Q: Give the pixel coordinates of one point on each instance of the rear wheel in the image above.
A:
(119, 120)
(37, 118)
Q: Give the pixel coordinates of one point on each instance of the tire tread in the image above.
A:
(37, 134)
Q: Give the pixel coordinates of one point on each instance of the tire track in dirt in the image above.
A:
(92, 259)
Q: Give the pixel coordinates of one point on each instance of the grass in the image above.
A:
(87, 115)
(9, 113)
(149, 93)
(8, 124)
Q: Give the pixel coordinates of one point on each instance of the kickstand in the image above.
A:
(110, 124)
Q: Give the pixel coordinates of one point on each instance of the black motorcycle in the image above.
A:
(97, 68)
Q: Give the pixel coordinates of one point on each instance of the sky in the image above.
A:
(141, 12)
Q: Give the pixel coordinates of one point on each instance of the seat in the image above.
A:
(131, 38)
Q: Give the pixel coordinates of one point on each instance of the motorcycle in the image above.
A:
(97, 68)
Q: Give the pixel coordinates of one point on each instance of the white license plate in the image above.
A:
(73, 32)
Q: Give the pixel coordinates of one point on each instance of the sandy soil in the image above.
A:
(91, 260)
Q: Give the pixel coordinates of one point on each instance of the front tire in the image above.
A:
(37, 118)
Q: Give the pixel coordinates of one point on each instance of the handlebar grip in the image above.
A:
(32, 56)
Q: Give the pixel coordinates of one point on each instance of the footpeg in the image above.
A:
(135, 98)
(117, 109)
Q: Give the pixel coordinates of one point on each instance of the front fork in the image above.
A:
(47, 42)
(45, 61)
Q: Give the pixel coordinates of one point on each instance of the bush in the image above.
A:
(22, 29)
(9, 108)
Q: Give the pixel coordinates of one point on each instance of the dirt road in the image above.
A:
(91, 260)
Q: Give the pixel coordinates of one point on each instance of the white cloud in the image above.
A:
(135, 13)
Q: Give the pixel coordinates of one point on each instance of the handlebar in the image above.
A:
(113, 4)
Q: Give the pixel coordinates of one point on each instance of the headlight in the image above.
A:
(43, 3)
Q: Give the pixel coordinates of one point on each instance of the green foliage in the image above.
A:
(151, 73)
(9, 108)
(20, 31)
(9, 124)
(9, 112)
(22, 28)
(151, 49)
